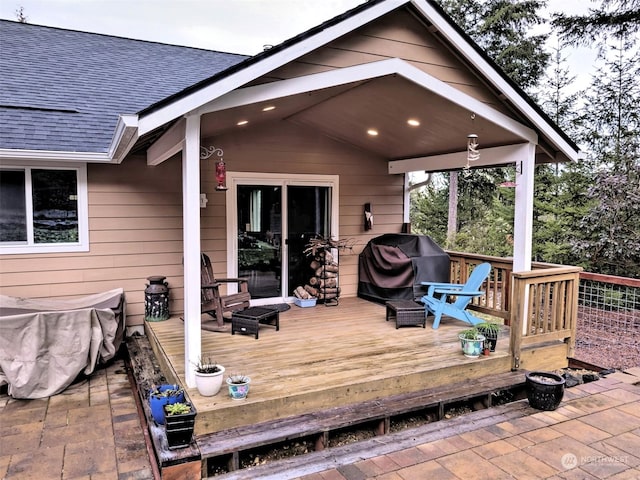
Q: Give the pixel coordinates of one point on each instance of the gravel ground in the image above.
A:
(608, 339)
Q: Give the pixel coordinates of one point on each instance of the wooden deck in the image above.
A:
(331, 356)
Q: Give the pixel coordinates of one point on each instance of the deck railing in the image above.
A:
(608, 321)
(497, 298)
(540, 305)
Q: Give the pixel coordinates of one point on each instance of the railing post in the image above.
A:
(573, 315)
(517, 317)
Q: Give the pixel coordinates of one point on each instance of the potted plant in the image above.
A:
(472, 342)
(161, 396)
(180, 419)
(490, 330)
(238, 386)
(544, 390)
(208, 376)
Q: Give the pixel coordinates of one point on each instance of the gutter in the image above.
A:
(124, 138)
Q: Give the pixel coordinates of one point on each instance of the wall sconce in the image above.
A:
(221, 167)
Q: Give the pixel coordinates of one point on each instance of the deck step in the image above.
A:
(378, 412)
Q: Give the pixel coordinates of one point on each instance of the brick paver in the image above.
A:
(90, 431)
(594, 434)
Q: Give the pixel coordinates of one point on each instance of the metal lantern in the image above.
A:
(156, 299)
(221, 175)
(221, 167)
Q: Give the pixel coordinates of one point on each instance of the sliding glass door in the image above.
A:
(274, 221)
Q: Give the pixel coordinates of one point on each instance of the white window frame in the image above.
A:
(82, 245)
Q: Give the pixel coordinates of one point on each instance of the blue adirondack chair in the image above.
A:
(435, 301)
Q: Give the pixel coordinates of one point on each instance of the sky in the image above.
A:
(236, 26)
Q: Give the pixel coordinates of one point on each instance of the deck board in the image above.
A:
(325, 356)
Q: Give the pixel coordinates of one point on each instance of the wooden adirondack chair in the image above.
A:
(216, 304)
(436, 299)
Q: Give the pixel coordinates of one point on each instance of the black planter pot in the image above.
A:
(544, 390)
(491, 337)
(179, 428)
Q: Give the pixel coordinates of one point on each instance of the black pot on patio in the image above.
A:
(544, 390)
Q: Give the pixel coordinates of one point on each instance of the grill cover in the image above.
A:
(392, 266)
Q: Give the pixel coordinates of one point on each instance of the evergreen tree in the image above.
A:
(502, 28)
(620, 18)
(609, 237)
(428, 212)
(556, 216)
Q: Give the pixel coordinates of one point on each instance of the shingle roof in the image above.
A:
(63, 90)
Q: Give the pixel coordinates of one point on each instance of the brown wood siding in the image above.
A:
(135, 231)
(396, 35)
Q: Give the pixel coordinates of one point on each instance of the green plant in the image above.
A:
(238, 379)
(471, 334)
(206, 364)
(177, 408)
(170, 392)
(490, 327)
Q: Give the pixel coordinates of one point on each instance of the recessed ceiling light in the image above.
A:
(268, 108)
(242, 122)
(373, 132)
(413, 122)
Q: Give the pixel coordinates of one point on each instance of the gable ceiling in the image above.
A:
(385, 104)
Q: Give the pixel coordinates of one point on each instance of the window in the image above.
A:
(43, 209)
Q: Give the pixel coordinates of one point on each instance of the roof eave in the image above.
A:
(499, 80)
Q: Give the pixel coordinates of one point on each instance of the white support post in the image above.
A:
(523, 221)
(191, 245)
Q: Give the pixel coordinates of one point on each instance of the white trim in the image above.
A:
(83, 212)
(234, 179)
(170, 143)
(505, 155)
(463, 48)
(193, 101)
(363, 72)
(10, 155)
(124, 138)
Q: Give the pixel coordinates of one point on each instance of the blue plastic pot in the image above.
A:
(156, 402)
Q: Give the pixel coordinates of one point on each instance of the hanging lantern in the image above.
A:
(221, 167)
(221, 175)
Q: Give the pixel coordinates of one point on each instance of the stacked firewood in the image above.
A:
(323, 283)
